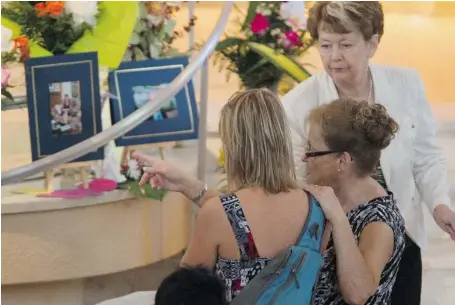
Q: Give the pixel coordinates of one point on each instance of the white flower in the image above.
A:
(7, 44)
(266, 12)
(275, 32)
(294, 13)
(83, 11)
(155, 20)
(133, 170)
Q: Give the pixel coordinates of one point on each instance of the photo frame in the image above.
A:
(64, 106)
(133, 83)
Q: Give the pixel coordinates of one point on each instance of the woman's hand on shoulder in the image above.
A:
(327, 199)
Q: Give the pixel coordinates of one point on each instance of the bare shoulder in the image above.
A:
(211, 210)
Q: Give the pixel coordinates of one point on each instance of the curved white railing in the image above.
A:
(134, 119)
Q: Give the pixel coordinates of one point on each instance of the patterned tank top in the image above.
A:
(382, 209)
(236, 274)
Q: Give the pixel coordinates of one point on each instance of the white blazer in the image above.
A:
(413, 165)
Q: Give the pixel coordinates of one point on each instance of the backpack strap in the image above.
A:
(240, 227)
(311, 235)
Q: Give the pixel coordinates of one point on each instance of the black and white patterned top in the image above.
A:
(236, 274)
(381, 209)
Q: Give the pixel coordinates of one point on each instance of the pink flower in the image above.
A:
(293, 38)
(259, 24)
(5, 76)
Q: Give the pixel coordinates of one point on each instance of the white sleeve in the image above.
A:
(297, 105)
(430, 164)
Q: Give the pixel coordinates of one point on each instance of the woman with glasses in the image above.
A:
(368, 240)
(413, 166)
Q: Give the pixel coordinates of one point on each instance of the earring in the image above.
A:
(339, 170)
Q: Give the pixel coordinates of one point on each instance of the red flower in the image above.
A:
(259, 24)
(293, 38)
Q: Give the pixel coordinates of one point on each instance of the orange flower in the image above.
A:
(22, 46)
(41, 9)
(55, 8)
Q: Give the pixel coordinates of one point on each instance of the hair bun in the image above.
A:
(379, 127)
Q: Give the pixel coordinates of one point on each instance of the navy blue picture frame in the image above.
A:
(46, 74)
(155, 72)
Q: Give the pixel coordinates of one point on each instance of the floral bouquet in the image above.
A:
(272, 35)
(155, 31)
(133, 172)
(66, 27)
(16, 50)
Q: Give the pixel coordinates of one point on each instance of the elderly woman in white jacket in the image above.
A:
(413, 166)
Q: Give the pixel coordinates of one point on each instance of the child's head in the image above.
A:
(191, 286)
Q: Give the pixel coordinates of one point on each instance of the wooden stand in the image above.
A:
(128, 150)
(80, 167)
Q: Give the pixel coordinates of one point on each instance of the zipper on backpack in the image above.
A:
(296, 269)
(277, 273)
(292, 276)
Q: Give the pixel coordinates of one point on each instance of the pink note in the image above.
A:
(101, 185)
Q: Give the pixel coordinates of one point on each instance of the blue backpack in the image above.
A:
(290, 278)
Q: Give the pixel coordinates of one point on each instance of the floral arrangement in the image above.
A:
(271, 33)
(67, 27)
(50, 28)
(53, 25)
(155, 31)
(13, 50)
(133, 172)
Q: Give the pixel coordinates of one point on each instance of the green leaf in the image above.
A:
(111, 35)
(169, 26)
(281, 61)
(138, 54)
(257, 65)
(135, 38)
(142, 10)
(228, 42)
(142, 191)
(7, 94)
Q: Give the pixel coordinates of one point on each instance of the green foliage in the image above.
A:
(154, 39)
(141, 191)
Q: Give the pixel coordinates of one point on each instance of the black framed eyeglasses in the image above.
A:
(312, 154)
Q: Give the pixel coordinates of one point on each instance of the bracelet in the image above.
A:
(200, 195)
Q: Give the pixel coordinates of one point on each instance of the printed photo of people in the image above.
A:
(66, 114)
(142, 94)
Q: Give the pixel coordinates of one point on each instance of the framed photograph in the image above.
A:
(64, 106)
(135, 83)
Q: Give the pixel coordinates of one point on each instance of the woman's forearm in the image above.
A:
(194, 187)
(354, 277)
